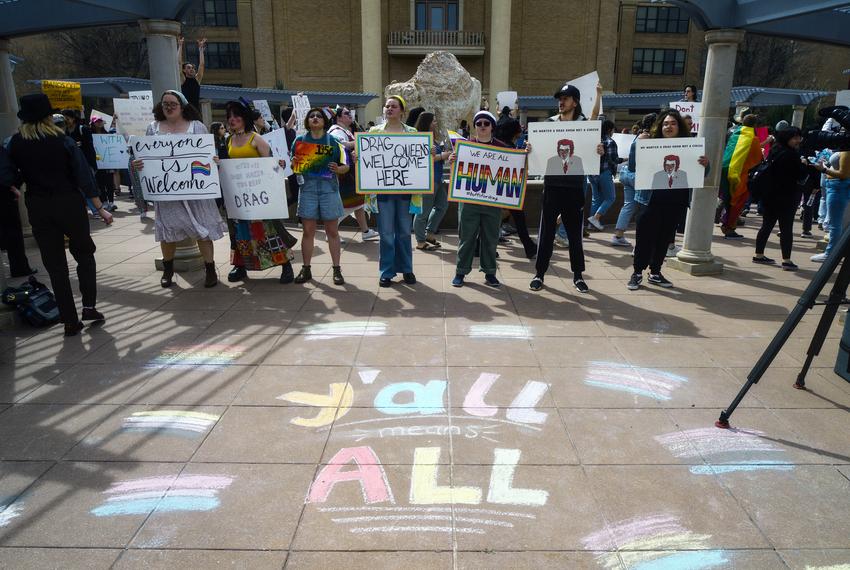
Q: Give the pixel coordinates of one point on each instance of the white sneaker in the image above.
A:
(819, 258)
(370, 235)
(595, 223)
(672, 250)
(620, 241)
(561, 242)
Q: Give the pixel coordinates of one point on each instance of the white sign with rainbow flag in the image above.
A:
(177, 167)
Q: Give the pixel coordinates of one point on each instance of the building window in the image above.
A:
(219, 55)
(436, 15)
(658, 62)
(214, 13)
(661, 20)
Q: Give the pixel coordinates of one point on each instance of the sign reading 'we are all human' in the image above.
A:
(490, 175)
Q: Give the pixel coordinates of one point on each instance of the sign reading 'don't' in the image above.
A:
(395, 163)
(177, 167)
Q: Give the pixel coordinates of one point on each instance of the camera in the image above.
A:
(816, 140)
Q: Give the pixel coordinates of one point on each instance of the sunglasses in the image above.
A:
(483, 124)
(314, 116)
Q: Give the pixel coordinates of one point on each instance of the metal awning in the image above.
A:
(754, 96)
(109, 87)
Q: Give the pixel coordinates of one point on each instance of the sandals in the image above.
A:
(426, 246)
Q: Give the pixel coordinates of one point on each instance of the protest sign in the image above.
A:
(586, 84)
(394, 163)
(490, 175)
(315, 159)
(624, 144)
(280, 150)
(564, 147)
(177, 167)
(134, 116)
(63, 94)
(142, 95)
(253, 189)
(689, 109)
(663, 164)
(843, 98)
(761, 134)
(300, 106)
(506, 99)
(262, 106)
(107, 119)
(111, 151)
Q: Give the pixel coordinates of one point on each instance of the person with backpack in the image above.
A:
(784, 169)
(58, 180)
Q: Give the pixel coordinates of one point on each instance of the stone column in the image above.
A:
(8, 126)
(696, 257)
(372, 33)
(500, 50)
(797, 117)
(206, 111)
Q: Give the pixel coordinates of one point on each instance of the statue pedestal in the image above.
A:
(186, 258)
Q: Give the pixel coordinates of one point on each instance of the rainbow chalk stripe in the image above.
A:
(165, 494)
(199, 167)
(345, 328)
(177, 421)
(649, 382)
(725, 450)
(657, 542)
(10, 512)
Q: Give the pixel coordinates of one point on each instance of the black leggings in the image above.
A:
(106, 185)
(569, 203)
(522, 231)
(784, 214)
(656, 229)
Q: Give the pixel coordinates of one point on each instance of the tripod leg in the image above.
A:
(804, 304)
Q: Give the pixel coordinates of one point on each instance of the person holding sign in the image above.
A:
(58, 180)
(563, 194)
(427, 222)
(394, 221)
(256, 244)
(479, 221)
(660, 210)
(182, 219)
(318, 158)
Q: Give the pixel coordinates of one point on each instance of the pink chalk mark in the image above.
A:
(184, 482)
(474, 404)
(633, 529)
(368, 472)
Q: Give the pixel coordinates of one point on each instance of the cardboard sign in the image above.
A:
(142, 95)
(586, 84)
(624, 143)
(111, 152)
(262, 106)
(315, 159)
(761, 134)
(300, 106)
(253, 189)
(564, 147)
(177, 167)
(506, 99)
(280, 150)
(134, 116)
(63, 94)
(394, 163)
(664, 164)
(691, 109)
(490, 175)
(107, 119)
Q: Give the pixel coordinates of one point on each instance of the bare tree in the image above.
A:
(768, 61)
(104, 52)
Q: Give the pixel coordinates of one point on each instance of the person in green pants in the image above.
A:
(477, 221)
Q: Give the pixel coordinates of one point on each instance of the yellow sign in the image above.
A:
(63, 94)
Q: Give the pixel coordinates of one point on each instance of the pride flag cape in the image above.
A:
(743, 151)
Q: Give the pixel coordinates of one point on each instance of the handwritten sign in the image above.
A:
(253, 189)
(107, 119)
(397, 163)
(689, 109)
(490, 175)
(262, 106)
(564, 147)
(624, 144)
(111, 151)
(668, 164)
(134, 116)
(177, 167)
(300, 106)
(142, 95)
(280, 150)
(315, 159)
(63, 94)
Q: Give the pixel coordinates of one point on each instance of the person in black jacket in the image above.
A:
(11, 231)
(81, 135)
(787, 168)
(57, 177)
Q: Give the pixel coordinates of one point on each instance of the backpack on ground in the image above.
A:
(34, 302)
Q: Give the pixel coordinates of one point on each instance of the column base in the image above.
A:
(183, 265)
(698, 268)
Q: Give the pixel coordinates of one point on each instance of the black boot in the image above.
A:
(238, 273)
(286, 274)
(167, 273)
(304, 275)
(211, 279)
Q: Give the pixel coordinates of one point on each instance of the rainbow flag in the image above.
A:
(314, 159)
(455, 136)
(743, 152)
(199, 167)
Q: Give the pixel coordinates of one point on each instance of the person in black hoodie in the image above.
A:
(57, 178)
(81, 135)
(787, 168)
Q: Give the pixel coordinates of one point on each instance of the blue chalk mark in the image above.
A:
(750, 466)
(695, 560)
(629, 389)
(427, 398)
(167, 505)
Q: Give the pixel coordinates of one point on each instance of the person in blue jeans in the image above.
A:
(602, 186)
(434, 206)
(627, 178)
(837, 172)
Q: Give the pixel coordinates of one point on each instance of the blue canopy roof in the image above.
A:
(108, 87)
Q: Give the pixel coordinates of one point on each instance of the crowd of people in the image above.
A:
(65, 179)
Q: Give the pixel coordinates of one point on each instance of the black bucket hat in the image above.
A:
(34, 107)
